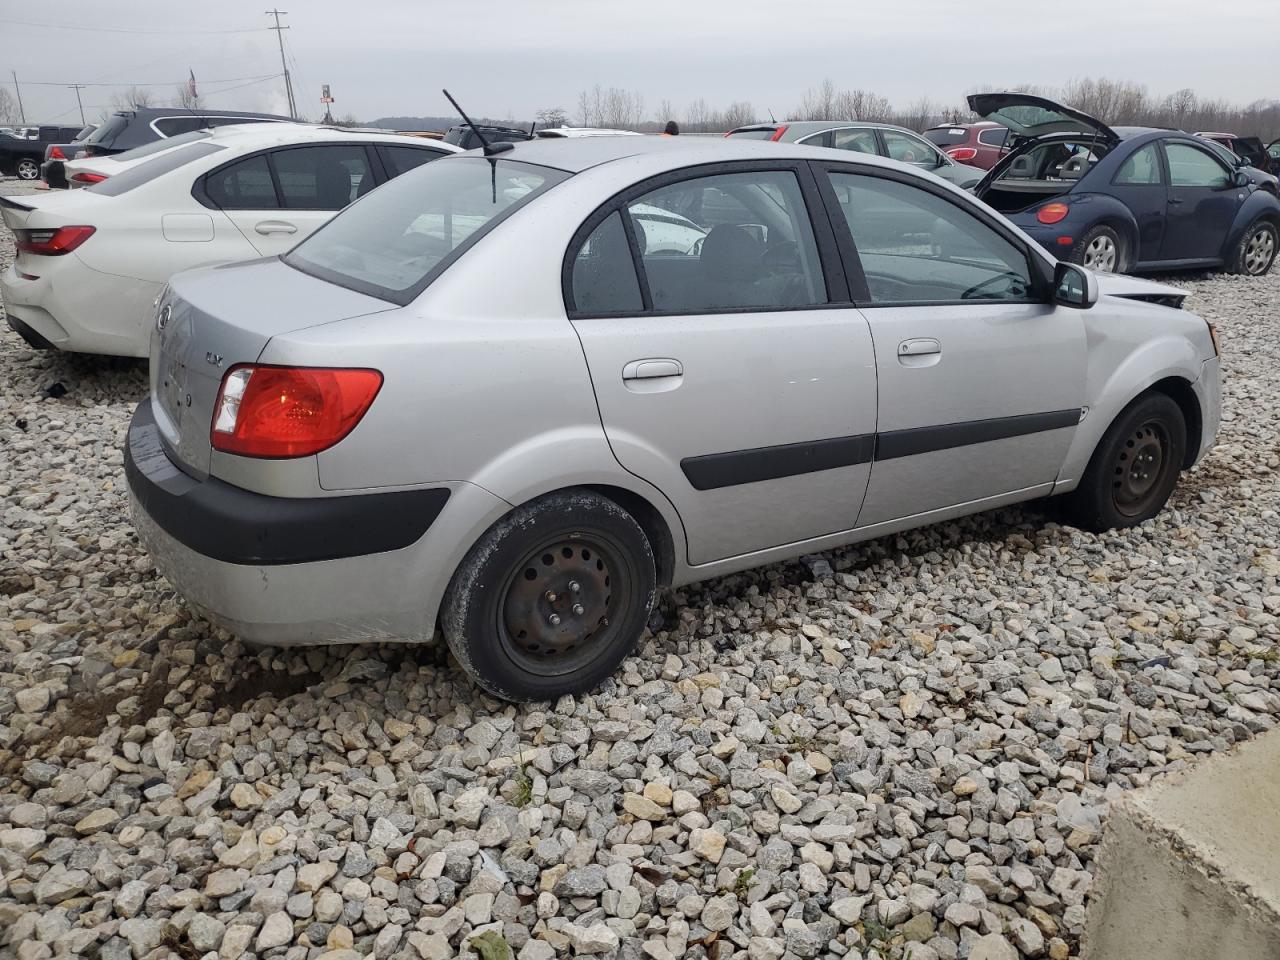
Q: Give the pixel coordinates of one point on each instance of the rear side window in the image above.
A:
(1141, 169)
(993, 136)
(242, 186)
(738, 241)
(916, 247)
(604, 273)
(322, 178)
(148, 171)
(400, 160)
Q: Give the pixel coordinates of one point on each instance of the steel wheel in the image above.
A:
(1101, 254)
(28, 170)
(1139, 468)
(1260, 250)
(559, 602)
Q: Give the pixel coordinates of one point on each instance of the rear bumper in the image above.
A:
(301, 579)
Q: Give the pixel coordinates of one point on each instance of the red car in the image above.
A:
(977, 144)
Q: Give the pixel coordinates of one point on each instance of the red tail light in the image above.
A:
(55, 153)
(777, 134)
(280, 412)
(962, 154)
(1052, 213)
(86, 177)
(53, 242)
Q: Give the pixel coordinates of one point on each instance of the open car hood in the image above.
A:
(1030, 116)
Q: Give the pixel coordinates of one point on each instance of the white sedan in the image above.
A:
(91, 262)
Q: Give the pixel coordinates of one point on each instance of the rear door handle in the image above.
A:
(268, 227)
(920, 347)
(652, 369)
(1174, 200)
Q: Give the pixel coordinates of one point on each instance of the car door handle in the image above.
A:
(921, 347)
(1174, 200)
(652, 369)
(268, 227)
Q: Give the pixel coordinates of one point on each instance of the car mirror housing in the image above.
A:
(1241, 179)
(1074, 286)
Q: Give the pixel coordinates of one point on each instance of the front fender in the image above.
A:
(1118, 373)
(1258, 204)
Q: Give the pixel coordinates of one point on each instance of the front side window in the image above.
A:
(899, 146)
(859, 141)
(403, 235)
(737, 241)
(322, 178)
(242, 186)
(400, 160)
(1192, 167)
(1141, 169)
(916, 247)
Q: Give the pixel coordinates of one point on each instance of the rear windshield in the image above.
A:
(400, 237)
(761, 133)
(157, 146)
(146, 172)
(946, 136)
(112, 128)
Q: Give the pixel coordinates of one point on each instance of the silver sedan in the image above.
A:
(510, 395)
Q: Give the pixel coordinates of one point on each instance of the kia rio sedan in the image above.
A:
(506, 395)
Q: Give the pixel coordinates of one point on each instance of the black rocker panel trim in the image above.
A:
(732, 468)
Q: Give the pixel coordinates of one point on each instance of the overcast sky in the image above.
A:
(510, 58)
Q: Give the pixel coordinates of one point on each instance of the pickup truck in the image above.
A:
(22, 158)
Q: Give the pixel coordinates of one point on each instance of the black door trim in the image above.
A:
(715, 470)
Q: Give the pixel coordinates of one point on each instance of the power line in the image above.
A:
(160, 83)
(159, 33)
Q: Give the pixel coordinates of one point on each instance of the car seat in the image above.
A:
(1022, 168)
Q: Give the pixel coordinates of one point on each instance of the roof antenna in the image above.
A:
(489, 148)
(772, 119)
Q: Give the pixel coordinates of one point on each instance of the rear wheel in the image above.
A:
(1256, 251)
(28, 170)
(1100, 249)
(1135, 467)
(552, 597)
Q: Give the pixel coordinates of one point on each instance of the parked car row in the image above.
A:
(698, 356)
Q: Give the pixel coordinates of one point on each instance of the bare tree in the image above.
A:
(135, 98)
(697, 117)
(183, 97)
(552, 117)
(8, 107)
(737, 114)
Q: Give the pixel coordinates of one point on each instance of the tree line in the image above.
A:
(1115, 102)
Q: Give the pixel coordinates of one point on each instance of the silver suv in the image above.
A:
(514, 394)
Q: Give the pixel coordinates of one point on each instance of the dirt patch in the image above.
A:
(273, 683)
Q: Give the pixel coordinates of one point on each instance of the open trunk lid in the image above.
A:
(212, 319)
(1030, 116)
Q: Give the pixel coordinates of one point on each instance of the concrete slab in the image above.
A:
(1190, 866)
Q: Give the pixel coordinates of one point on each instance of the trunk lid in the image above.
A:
(1030, 117)
(210, 320)
(48, 210)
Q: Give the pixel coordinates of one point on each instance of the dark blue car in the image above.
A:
(1128, 199)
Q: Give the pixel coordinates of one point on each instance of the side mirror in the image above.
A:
(1074, 286)
(1240, 179)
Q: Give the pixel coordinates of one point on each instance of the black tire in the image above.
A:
(551, 598)
(1255, 252)
(1100, 249)
(28, 170)
(1134, 468)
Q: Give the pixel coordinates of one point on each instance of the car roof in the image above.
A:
(817, 126)
(270, 134)
(575, 154)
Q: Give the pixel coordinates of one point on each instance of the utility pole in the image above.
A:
(288, 84)
(17, 89)
(76, 87)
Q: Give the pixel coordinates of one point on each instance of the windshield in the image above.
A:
(113, 126)
(946, 136)
(146, 172)
(758, 133)
(399, 238)
(156, 146)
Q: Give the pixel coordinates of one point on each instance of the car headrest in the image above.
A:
(1073, 169)
(1022, 167)
(731, 253)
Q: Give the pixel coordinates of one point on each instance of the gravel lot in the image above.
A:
(904, 749)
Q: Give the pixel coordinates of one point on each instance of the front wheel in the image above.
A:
(1256, 251)
(28, 170)
(1100, 249)
(1134, 468)
(551, 598)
